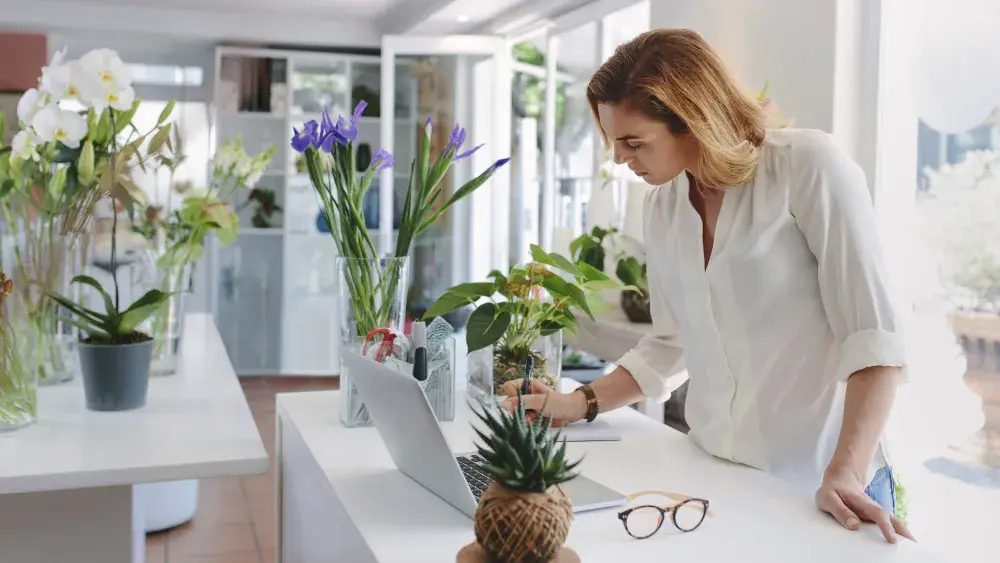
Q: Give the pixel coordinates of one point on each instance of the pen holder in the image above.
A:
(440, 384)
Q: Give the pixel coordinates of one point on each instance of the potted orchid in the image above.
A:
(68, 160)
(630, 255)
(373, 287)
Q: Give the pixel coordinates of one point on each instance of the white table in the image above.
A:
(343, 500)
(66, 482)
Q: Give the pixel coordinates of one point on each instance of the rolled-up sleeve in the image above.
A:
(657, 361)
(831, 204)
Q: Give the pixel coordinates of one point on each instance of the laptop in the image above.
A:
(417, 446)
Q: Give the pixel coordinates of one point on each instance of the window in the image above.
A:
(167, 75)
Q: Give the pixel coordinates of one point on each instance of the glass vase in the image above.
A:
(18, 377)
(38, 258)
(372, 297)
(491, 367)
(440, 384)
(167, 325)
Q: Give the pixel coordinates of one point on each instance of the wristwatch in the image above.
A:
(592, 405)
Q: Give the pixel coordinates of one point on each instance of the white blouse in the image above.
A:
(793, 301)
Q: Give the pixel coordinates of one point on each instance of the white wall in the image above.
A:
(821, 57)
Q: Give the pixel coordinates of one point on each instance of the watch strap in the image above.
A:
(593, 408)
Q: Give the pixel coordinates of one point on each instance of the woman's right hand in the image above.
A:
(564, 408)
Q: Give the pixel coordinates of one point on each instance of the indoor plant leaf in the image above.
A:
(485, 326)
(142, 309)
(446, 304)
(109, 304)
(473, 290)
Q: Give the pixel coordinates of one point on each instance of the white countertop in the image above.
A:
(756, 517)
(196, 424)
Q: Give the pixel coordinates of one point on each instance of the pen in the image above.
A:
(419, 351)
(526, 382)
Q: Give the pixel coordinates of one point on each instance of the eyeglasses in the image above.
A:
(645, 520)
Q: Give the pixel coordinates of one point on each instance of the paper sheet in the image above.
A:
(597, 431)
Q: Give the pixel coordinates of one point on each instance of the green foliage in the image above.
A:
(523, 456)
(513, 312)
(589, 247)
(632, 273)
(531, 89)
(113, 326)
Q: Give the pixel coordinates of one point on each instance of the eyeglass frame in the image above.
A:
(664, 510)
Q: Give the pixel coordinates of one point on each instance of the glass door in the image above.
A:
(463, 80)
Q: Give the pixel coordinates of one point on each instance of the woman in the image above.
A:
(763, 257)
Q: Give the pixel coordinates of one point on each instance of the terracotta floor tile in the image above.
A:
(156, 547)
(256, 485)
(236, 557)
(221, 489)
(212, 512)
(249, 383)
(268, 555)
(205, 538)
(265, 526)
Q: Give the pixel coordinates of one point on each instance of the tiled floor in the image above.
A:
(235, 522)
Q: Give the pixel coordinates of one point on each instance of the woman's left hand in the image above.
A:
(843, 497)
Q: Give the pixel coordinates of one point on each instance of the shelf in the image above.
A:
(254, 231)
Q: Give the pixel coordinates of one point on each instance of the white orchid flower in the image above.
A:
(55, 124)
(120, 100)
(23, 145)
(107, 67)
(225, 157)
(65, 81)
(256, 171)
(29, 104)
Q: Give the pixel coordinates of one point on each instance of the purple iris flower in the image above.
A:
(429, 123)
(382, 159)
(456, 140)
(493, 168)
(307, 137)
(329, 134)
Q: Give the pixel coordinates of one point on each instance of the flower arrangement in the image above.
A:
(512, 314)
(329, 150)
(62, 161)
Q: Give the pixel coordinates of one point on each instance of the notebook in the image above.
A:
(597, 431)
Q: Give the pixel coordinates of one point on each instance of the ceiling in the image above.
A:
(340, 23)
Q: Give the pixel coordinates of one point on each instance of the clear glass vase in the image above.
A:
(18, 377)
(39, 258)
(372, 296)
(491, 367)
(167, 325)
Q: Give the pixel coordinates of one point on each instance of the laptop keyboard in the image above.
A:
(475, 476)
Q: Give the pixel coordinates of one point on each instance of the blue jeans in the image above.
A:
(882, 489)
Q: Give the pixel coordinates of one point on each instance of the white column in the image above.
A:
(461, 230)
(502, 138)
(547, 222)
(387, 124)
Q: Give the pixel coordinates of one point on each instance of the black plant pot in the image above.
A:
(116, 376)
(636, 307)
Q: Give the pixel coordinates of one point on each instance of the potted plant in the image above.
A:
(373, 285)
(631, 271)
(512, 322)
(589, 247)
(18, 381)
(90, 154)
(524, 515)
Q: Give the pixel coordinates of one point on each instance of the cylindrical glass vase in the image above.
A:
(40, 259)
(372, 297)
(491, 367)
(167, 325)
(18, 377)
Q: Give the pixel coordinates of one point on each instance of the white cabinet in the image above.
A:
(276, 290)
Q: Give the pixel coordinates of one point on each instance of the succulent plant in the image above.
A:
(521, 455)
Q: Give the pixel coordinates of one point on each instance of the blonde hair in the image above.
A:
(674, 76)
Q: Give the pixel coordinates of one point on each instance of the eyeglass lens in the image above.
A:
(644, 521)
(689, 515)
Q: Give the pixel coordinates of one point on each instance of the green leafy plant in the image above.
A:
(267, 205)
(589, 247)
(523, 456)
(633, 273)
(114, 326)
(512, 314)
